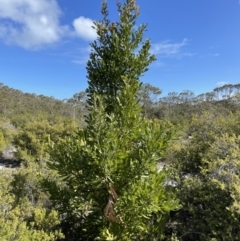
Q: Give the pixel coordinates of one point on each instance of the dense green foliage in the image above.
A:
(206, 174)
(24, 213)
(27, 122)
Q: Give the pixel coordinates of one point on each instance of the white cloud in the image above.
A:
(33, 24)
(83, 28)
(81, 61)
(30, 23)
(159, 64)
(214, 55)
(222, 83)
(167, 49)
(83, 56)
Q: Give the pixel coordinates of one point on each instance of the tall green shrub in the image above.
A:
(113, 190)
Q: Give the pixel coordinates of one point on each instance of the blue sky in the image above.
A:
(44, 44)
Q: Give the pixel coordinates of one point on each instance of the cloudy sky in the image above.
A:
(44, 44)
